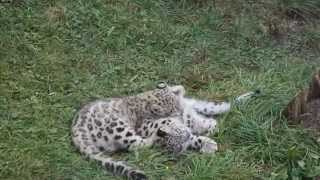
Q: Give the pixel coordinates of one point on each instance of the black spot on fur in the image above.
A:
(120, 129)
(196, 144)
(195, 148)
(97, 122)
(129, 134)
(125, 141)
(125, 172)
(188, 123)
(90, 127)
(151, 125)
(117, 137)
(105, 138)
(121, 123)
(199, 140)
(106, 120)
(82, 130)
(83, 117)
(110, 166)
(101, 148)
(134, 175)
(156, 125)
(84, 137)
(82, 122)
(99, 135)
(147, 132)
(161, 133)
(107, 165)
(132, 141)
(154, 111)
(93, 137)
(163, 122)
(113, 124)
(145, 127)
(109, 130)
(119, 169)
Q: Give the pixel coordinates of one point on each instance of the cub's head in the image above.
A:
(174, 135)
(165, 100)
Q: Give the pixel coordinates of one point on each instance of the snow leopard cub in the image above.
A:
(161, 116)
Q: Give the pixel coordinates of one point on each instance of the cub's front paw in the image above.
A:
(208, 145)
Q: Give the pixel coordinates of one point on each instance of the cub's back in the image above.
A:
(90, 125)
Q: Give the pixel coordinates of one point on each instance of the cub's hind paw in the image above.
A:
(208, 145)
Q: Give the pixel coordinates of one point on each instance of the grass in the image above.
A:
(56, 55)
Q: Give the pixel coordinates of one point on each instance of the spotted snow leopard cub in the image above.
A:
(163, 116)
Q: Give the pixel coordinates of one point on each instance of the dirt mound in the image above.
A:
(304, 109)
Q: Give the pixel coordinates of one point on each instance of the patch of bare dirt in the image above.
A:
(304, 109)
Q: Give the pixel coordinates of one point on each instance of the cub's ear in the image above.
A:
(162, 85)
(161, 133)
(178, 90)
(164, 131)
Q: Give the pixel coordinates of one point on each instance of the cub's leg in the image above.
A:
(197, 115)
(138, 142)
(169, 132)
(199, 124)
(153, 130)
(205, 107)
(202, 144)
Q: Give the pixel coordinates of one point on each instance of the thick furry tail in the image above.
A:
(214, 108)
(119, 168)
(246, 96)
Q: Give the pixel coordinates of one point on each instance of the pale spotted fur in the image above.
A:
(163, 116)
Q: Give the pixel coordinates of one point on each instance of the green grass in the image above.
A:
(56, 55)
